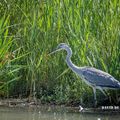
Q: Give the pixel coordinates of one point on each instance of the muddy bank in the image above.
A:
(24, 103)
(37, 102)
(34, 103)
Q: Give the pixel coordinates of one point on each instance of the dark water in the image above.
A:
(48, 114)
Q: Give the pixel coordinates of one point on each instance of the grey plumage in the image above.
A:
(99, 78)
(95, 78)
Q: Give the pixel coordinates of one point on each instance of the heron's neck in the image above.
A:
(69, 62)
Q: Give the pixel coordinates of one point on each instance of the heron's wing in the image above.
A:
(99, 78)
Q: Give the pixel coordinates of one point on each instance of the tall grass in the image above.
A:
(92, 30)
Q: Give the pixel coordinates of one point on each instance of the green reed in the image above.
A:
(92, 30)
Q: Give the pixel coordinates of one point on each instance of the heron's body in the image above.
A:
(95, 78)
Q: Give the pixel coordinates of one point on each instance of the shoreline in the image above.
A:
(24, 103)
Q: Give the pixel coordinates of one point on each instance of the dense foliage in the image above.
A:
(30, 29)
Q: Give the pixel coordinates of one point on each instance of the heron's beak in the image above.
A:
(56, 50)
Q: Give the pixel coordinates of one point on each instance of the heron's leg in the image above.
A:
(95, 99)
(108, 96)
(103, 91)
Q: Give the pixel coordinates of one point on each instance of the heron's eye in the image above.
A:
(60, 46)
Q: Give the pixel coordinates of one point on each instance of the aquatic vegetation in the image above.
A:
(35, 27)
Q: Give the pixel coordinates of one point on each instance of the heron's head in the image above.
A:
(60, 47)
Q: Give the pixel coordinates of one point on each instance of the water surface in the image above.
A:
(50, 114)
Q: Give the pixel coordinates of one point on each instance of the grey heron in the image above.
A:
(93, 77)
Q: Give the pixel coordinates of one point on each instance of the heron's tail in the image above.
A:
(118, 85)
